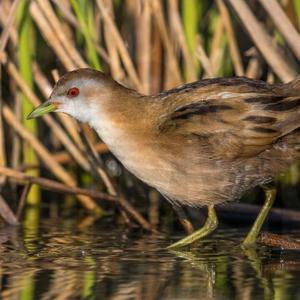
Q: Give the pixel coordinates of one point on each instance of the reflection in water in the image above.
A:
(64, 261)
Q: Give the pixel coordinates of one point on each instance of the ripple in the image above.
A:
(62, 260)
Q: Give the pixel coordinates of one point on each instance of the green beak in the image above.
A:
(44, 108)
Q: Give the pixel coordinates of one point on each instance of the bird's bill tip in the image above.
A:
(44, 108)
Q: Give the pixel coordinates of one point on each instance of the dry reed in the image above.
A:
(142, 43)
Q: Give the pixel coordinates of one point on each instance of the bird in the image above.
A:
(199, 144)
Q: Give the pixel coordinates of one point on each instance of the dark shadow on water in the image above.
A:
(60, 261)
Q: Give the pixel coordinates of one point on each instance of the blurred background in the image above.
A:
(57, 179)
(146, 45)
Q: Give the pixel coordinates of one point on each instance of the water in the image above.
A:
(59, 260)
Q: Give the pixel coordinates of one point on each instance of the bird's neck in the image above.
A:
(123, 122)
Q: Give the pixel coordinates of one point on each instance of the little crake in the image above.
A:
(202, 143)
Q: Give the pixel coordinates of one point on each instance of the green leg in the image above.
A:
(210, 225)
(251, 238)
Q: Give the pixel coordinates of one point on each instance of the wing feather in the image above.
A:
(238, 124)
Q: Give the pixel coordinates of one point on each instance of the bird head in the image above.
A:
(78, 93)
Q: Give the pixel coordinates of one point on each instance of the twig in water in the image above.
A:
(187, 225)
(7, 214)
(279, 241)
(52, 185)
(22, 202)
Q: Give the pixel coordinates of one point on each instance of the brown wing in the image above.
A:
(235, 124)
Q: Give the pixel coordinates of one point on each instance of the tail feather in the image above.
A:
(288, 108)
(295, 84)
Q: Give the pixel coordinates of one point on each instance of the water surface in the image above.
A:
(58, 260)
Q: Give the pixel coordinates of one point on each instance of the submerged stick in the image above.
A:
(53, 185)
(23, 198)
(247, 212)
(279, 241)
(7, 214)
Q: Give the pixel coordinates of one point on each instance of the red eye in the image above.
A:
(73, 92)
